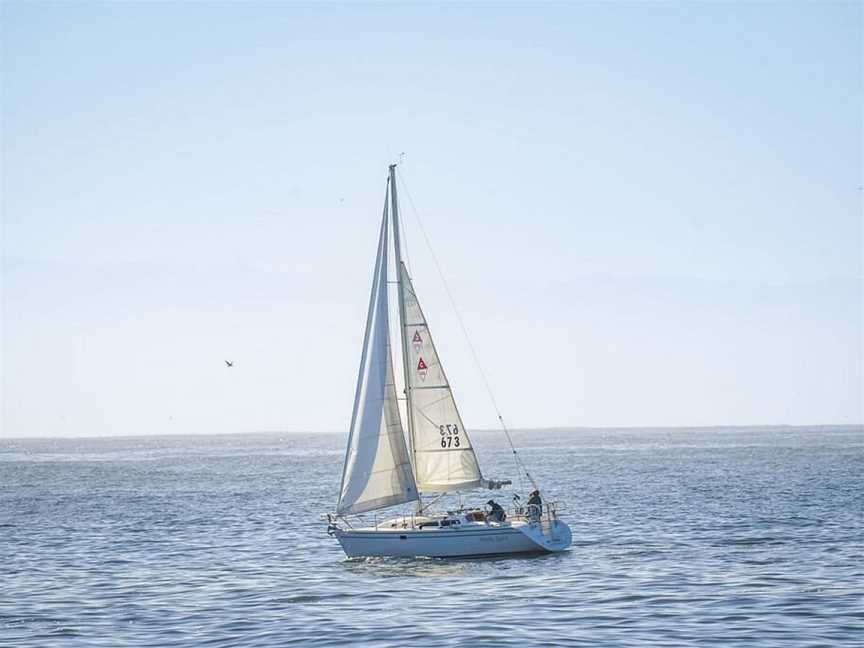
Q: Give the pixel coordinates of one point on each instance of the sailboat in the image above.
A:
(382, 471)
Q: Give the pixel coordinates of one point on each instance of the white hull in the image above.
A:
(467, 541)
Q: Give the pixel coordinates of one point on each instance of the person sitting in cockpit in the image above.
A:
(497, 513)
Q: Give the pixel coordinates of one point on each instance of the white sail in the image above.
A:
(443, 457)
(377, 470)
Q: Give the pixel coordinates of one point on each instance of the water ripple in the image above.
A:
(700, 538)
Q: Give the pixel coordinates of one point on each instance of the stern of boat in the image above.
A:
(545, 529)
(548, 535)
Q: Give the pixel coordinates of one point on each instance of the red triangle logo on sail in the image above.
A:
(421, 366)
(417, 339)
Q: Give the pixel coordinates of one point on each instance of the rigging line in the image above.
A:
(520, 466)
(407, 251)
(404, 232)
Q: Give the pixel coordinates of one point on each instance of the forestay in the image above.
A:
(377, 470)
(443, 457)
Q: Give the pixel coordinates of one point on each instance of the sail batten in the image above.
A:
(377, 471)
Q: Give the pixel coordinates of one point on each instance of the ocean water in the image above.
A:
(722, 537)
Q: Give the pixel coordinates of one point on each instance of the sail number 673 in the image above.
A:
(449, 436)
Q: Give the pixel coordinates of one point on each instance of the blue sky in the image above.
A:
(648, 213)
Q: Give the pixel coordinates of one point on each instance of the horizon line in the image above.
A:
(554, 428)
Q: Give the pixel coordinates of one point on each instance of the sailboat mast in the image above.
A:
(397, 243)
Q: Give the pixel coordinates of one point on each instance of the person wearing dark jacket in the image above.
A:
(497, 513)
(535, 505)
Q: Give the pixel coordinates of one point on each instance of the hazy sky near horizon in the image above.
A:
(648, 213)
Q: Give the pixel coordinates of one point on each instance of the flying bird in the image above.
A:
(229, 363)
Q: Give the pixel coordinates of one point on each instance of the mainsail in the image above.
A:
(377, 470)
(443, 457)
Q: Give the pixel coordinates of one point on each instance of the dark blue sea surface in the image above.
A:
(710, 537)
